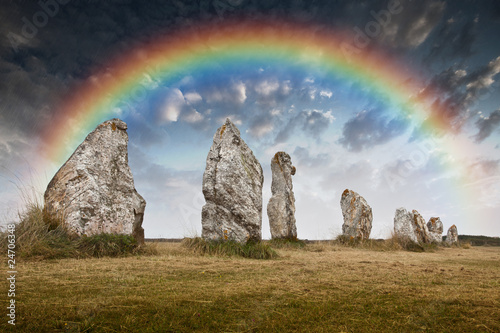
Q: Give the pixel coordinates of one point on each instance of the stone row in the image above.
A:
(93, 192)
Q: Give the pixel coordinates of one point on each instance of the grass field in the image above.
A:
(318, 288)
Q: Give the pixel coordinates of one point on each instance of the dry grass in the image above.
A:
(41, 235)
(323, 288)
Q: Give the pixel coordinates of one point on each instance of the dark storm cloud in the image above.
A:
(487, 126)
(412, 26)
(455, 37)
(369, 129)
(458, 90)
(45, 53)
(13, 154)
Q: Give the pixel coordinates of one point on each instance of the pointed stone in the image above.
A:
(357, 215)
(281, 206)
(232, 186)
(94, 190)
(435, 227)
(411, 225)
(452, 235)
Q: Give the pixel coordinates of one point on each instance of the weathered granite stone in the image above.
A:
(232, 186)
(357, 215)
(452, 235)
(281, 206)
(435, 227)
(94, 190)
(411, 225)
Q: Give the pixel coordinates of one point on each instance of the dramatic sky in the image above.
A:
(341, 130)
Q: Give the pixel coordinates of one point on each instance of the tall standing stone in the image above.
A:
(94, 190)
(281, 206)
(435, 227)
(232, 186)
(452, 235)
(411, 225)
(357, 215)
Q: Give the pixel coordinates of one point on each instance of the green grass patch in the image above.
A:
(253, 250)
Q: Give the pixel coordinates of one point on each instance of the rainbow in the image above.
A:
(196, 48)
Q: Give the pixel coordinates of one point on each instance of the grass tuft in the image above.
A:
(395, 243)
(41, 235)
(253, 250)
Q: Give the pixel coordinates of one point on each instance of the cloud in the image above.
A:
(370, 128)
(235, 93)
(267, 87)
(456, 37)
(193, 97)
(482, 78)
(483, 179)
(176, 106)
(487, 126)
(326, 93)
(269, 92)
(192, 116)
(312, 122)
(483, 168)
(454, 91)
(302, 157)
(172, 106)
(261, 126)
(412, 26)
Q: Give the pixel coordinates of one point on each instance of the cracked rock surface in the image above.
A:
(411, 225)
(94, 190)
(357, 215)
(435, 227)
(281, 206)
(232, 187)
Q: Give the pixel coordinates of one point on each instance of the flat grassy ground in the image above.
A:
(321, 288)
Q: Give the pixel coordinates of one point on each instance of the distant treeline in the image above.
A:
(480, 240)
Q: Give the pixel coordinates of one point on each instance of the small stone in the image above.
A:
(452, 235)
(94, 190)
(357, 215)
(435, 227)
(411, 225)
(232, 186)
(281, 206)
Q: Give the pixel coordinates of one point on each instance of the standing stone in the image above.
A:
(281, 206)
(232, 186)
(94, 190)
(357, 215)
(452, 235)
(411, 225)
(435, 227)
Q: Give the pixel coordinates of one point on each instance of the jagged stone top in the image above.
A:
(227, 129)
(94, 139)
(115, 124)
